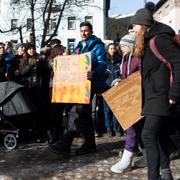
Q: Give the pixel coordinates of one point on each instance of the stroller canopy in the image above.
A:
(14, 99)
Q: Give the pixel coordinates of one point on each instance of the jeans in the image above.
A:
(110, 119)
(155, 139)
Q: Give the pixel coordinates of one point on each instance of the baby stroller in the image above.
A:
(14, 101)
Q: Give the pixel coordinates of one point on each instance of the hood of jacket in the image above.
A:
(159, 28)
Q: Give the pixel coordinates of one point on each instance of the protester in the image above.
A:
(129, 64)
(158, 96)
(55, 124)
(55, 42)
(112, 73)
(6, 64)
(9, 48)
(80, 118)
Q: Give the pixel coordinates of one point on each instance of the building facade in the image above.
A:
(168, 12)
(16, 13)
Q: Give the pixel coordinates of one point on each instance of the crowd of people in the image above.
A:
(111, 64)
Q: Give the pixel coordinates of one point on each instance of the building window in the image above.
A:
(14, 23)
(89, 19)
(71, 1)
(71, 44)
(71, 23)
(15, 1)
(87, 1)
(28, 2)
(80, 1)
(29, 24)
(54, 1)
(52, 25)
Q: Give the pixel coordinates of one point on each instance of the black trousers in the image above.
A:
(155, 138)
(80, 120)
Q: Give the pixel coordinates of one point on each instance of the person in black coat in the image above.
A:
(158, 96)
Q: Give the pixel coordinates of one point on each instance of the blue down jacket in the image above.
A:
(98, 56)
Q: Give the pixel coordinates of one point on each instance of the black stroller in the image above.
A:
(14, 101)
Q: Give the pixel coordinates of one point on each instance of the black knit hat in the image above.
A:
(29, 45)
(143, 17)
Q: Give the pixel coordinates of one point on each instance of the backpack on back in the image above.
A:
(176, 40)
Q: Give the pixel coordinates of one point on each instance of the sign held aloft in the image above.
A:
(70, 84)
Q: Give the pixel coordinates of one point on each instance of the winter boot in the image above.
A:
(63, 146)
(166, 174)
(52, 137)
(142, 162)
(86, 148)
(124, 164)
(112, 132)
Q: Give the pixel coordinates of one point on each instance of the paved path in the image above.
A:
(35, 161)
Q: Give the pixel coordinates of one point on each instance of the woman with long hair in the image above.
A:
(112, 73)
(159, 96)
(55, 126)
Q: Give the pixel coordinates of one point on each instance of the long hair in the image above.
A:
(56, 50)
(117, 55)
(140, 45)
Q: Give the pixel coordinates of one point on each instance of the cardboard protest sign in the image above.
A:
(124, 100)
(70, 84)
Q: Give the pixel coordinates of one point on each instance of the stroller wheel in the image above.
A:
(10, 141)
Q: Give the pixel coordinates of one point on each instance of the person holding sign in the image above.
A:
(80, 118)
(128, 65)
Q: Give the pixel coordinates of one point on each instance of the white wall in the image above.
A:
(169, 14)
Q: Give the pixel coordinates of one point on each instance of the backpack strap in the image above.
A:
(161, 58)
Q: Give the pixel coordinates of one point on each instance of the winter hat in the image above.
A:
(29, 45)
(128, 40)
(20, 45)
(144, 16)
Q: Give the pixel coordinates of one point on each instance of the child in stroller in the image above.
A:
(14, 101)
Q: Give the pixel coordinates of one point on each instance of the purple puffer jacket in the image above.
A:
(129, 65)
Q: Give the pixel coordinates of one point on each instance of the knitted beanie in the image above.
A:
(128, 40)
(29, 45)
(143, 17)
(20, 45)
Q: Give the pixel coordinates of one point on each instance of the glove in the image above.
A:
(91, 75)
(115, 82)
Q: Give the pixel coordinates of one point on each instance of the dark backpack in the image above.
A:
(176, 40)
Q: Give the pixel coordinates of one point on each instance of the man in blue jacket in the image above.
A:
(80, 118)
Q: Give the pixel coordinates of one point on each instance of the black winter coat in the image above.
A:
(156, 89)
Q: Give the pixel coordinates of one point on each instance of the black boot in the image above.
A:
(89, 145)
(52, 136)
(142, 162)
(86, 148)
(166, 174)
(63, 146)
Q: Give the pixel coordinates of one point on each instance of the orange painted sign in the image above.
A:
(70, 84)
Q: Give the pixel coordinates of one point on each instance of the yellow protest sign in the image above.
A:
(70, 84)
(125, 100)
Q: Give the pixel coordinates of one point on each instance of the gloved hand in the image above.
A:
(115, 82)
(91, 75)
